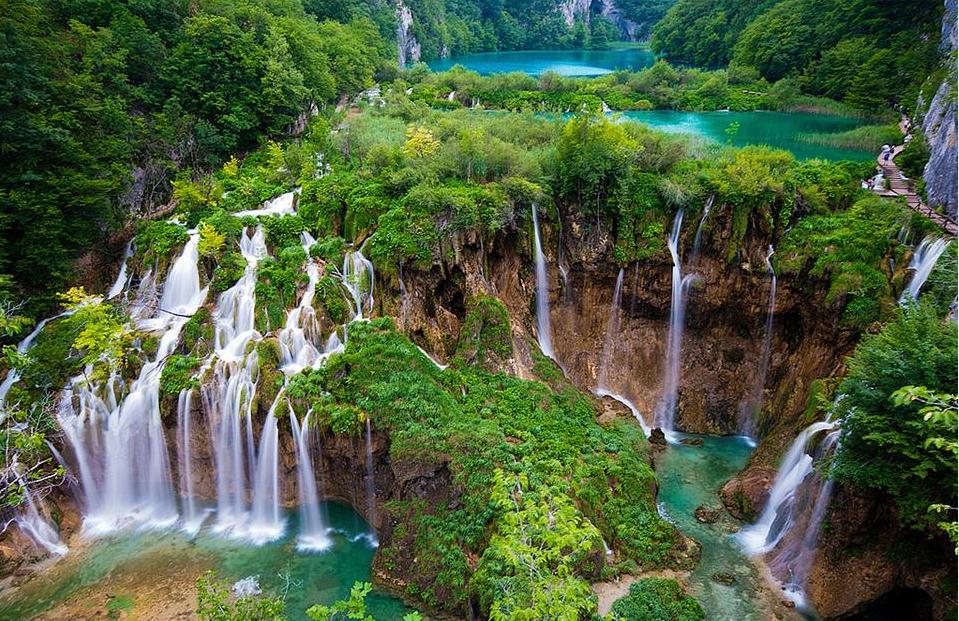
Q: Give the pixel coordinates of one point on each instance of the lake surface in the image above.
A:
(303, 579)
(690, 476)
(564, 62)
(781, 130)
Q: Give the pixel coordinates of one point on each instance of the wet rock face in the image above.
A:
(939, 127)
(745, 496)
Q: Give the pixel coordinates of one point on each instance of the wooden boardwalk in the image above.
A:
(901, 187)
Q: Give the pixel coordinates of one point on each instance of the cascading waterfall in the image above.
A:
(119, 444)
(313, 535)
(357, 275)
(666, 411)
(37, 527)
(544, 331)
(924, 260)
(298, 337)
(121, 282)
(780, 513)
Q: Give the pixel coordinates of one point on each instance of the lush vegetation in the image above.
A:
(894, 443)
(517, 452)
(95, 91)
(868, 53)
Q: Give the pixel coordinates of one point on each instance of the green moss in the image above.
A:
(276, 286)
(179, 374)
(199, 328)
(657, 599)
(229, 270)
(159, 238)
(485, 338)
(330, 248)
(332, 297)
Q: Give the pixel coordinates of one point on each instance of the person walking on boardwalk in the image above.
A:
(886, 152)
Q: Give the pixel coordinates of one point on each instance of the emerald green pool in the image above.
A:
(782, 130)
(304, 579)
(690, 476)
(581, 63)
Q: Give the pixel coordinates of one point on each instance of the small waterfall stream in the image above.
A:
(370, 474)
(37, 527)
(192, 520)
(697, 241)
(358, 278)
(924, 260)
(612, 332)
(121, 282)
(13, 375)
(266, 520)
(666, 410)
(750, 410)
(544, 331)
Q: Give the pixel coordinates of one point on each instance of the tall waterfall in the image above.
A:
(192, 520)
(666, 410)
(266, 519)
(370, 474)
(120, 443)
(313, 535)
(753, 406)
(544, 331)
(298, 338)
(924, 260)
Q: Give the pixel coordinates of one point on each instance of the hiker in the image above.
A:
(886, 151)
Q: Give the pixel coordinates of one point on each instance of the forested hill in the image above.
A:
(870, 53)
(452, 27)
(103, 102)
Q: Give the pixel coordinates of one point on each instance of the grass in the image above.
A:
(866, 138)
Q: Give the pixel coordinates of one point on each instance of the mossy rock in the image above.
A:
(270, 378)
(485, 338)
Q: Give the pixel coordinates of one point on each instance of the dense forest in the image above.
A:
(870, 53)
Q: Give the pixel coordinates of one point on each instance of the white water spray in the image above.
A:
(924, 260)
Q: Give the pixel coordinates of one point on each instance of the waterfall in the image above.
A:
(121, 282)
(358, 278)
(751, 409)
(120, 445)
(612, 332)
(666, 411)
(37, 527)
(778, 516)
(697, 242)
(192, 520)
(300, 333)
(282, 205)
(266, 521)
(313, 534)
(370, 474)
(924, 259)
(544, 332)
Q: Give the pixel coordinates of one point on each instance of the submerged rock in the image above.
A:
(692, 441)
(707, 515)
(723, 577)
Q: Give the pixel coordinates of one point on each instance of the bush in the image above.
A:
(160, 237)
(884, 446)
(657, 599)
(179, 374)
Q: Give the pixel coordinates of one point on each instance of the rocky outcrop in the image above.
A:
(582, 10)
(406, 43)
(939, 126)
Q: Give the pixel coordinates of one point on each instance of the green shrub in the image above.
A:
(179, 373)
(656, 599)
(160, 237)
(230, 269)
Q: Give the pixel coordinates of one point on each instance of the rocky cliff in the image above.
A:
(939, 125)
(407, 45)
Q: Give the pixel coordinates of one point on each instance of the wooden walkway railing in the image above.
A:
(901, 187)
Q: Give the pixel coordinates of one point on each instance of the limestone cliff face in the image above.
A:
(406, 43)
(581, 10)
(939, 126)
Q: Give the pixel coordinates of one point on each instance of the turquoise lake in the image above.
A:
(571, 63)
(782, 130)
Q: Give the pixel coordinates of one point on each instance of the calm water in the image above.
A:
(775, 129)
(690, 476)
(563, 62)
(312, 578)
